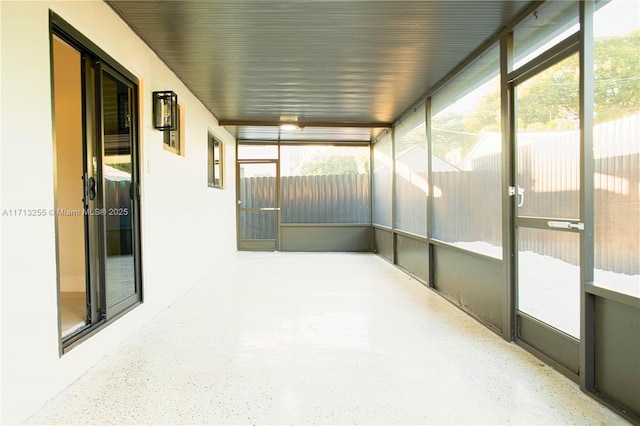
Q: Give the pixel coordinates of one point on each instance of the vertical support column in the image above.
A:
(508, 178)
(430, 271)
(372, 236)
(238, 196)
(393, 195)
(587, 255)
(279, 205)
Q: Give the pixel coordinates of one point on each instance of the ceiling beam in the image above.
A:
(376, 125)
(319, 142)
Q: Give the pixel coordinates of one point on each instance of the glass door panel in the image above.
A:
(259, 211)
(258, 225)
(549, 278)
(69, 173)
(120, 277)
(547, 204)
(96, 189)
(616, 140)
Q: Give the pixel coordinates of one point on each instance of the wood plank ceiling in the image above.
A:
(341, 68)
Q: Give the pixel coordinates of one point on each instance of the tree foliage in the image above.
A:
(550, 100)
(321, 165)
(451, 133)
(617, 77)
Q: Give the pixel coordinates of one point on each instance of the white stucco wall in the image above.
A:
(187, 228)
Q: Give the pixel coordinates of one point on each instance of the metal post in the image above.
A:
(393, 196)
(508, 174)
(430, 271)
(587, 301)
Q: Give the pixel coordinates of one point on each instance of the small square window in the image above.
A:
(215, 163)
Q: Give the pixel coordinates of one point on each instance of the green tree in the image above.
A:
(617, 77)
(449, 133)
(550, 99)
(321, 165)
(486, 116)
(552, 102)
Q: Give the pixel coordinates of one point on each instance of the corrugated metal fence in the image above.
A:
(257, 192)
(551, 186)
(617, 195)
(305, 199)
(326, 199)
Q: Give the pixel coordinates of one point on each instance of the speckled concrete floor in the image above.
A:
(293, 338)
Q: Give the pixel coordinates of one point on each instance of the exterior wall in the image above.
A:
(186, 228)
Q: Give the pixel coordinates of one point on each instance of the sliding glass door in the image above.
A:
(96, 190)
(119, 193)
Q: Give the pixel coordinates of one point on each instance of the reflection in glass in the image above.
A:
(382, 170)
(215, 162)
(548, 25)
(411, 187)
(548, 142)
(466, 161)
(68, 171)
(120, 272)
(617, 147)
(549, 278)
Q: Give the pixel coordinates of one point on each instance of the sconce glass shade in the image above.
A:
(165, 110)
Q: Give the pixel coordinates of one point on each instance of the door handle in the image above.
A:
(519, 192)
(89, 187)
(269, 209)
(520, 196)
(92, 188)
(563, 224)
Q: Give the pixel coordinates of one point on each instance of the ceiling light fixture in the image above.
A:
(288, 126)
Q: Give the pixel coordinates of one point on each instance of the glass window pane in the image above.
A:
(258, 201)
(67, 67)
(382, 169)
(217, 163)
(117, 160)
(617, 147)
(549, 277)
(214, 162)
(258, 186)
(258, 225)
(484, 68)
(210, 161)
(466, 164)
(411, 186)
(325, 184)
(257, 152)
(548, 25)
(548, 142)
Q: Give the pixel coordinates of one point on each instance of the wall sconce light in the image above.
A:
(165, 110)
